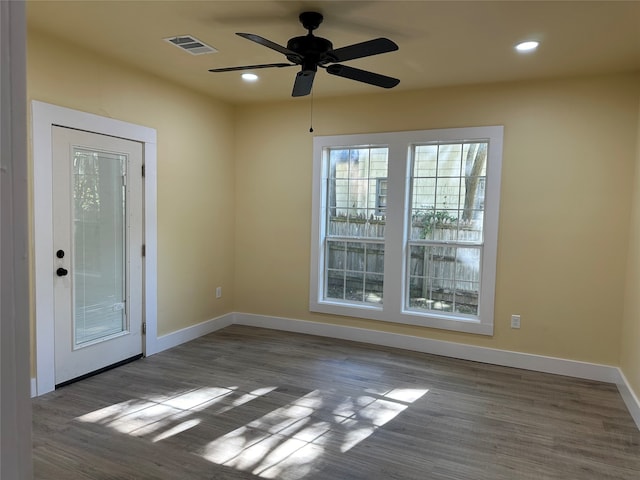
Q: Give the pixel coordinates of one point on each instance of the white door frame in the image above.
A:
(15, 407)
(44, 116)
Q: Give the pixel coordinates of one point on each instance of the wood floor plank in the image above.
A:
(251, 403)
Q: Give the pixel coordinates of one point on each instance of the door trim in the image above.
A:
(15, 407)
(44, 117)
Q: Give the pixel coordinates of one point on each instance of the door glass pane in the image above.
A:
(99, 248)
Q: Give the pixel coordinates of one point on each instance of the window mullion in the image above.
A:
(395, 227)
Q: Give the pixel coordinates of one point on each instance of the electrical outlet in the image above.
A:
(219, 292)
(515, 321)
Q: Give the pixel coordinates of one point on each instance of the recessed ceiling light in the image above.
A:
(249, 77)
(528, 46)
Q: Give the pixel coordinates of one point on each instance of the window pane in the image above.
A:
(373, 288)
(355, 257)
(449, 160)
(99, 226)
(471, 230)
(337, 193)
(347, 263)
(467, 298)
(448, 192)
(356, 192)
(336, 255)
(375, 258)
(425, 161)
(335, 284)
(354, 288)
(472, 152)
(444, 278)
(381, 196)
(434, 225)
(417, 266)
(423, 193)
(468, 265)
(337, 225)
(474, 178)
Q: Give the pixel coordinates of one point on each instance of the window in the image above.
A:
(405, 227)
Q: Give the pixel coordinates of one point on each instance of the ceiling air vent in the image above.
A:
(190, 44)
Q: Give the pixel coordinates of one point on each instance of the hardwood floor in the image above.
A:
(247, 403)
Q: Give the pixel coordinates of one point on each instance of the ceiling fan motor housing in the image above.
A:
(312, 49)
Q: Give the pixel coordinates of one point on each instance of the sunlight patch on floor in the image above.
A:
(288, 441)
(181, 427)
(198, 399)
(108, 414)
(246, 398)
(291, 437)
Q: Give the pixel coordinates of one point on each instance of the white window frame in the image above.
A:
(398, 187)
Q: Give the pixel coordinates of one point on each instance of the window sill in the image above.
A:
(405, 317)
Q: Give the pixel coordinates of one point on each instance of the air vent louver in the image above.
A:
(190, 44)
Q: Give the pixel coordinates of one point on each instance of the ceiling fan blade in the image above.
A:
(304, 82)
(272, 45)
(363, 76)
(252, 67)
(364, 49)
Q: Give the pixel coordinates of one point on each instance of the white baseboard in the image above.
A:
(630, 399)
(34, 387)
(187, 334)
(527, 361)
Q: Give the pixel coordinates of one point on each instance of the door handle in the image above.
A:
(61, 272)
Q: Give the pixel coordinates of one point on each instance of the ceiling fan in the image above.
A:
(311, 52)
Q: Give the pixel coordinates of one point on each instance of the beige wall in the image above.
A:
(569, 154)
(630, 355)
(195, 168)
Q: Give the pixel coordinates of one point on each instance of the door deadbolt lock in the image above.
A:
(60, 254)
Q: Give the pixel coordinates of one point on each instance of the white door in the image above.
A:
(97, 251)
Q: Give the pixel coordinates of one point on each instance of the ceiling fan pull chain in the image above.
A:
(311, 119)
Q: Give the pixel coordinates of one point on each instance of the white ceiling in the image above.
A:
(441, 42)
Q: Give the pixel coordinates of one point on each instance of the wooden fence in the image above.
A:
(441, 277)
